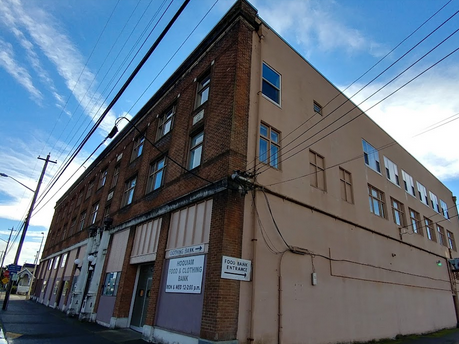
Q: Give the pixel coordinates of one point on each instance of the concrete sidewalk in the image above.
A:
(26, 321)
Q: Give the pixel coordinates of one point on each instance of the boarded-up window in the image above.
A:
(146, 242)
(190, 226)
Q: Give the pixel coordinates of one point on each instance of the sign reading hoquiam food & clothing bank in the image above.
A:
(185, 275)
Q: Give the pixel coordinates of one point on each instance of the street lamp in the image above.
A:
(7, 176)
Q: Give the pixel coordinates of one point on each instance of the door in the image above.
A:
(142, 297)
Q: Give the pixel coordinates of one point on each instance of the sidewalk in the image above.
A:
(26, 321)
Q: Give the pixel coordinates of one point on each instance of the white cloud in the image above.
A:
(416, 108)
(314, 26)
(19, 73)
(46, 35)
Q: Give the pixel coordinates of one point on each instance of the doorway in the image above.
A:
(142, 297)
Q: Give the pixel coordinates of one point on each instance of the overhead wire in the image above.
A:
(120, 92)
(363, 112)
(363, 87)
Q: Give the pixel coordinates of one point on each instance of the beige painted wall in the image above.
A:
(381, 286)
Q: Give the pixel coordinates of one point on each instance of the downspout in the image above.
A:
(254, 216)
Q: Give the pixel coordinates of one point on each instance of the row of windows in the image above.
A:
(434, 232)
(156, 172)
(371, 157)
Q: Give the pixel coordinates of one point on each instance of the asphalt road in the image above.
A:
(29, 322)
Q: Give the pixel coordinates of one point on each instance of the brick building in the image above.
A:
(229, 210)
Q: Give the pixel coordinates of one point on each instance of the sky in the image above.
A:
(62, 62)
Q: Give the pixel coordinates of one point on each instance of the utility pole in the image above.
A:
(6, 248)
(24, 231)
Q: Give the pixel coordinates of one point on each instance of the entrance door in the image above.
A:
(142, 297)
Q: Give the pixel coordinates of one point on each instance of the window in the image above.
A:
(56, 263)
(196, 150)
(377, 204)
(82, 219)
(64, 260)
(444, 209)
(317, 170)
(391, 171)
(80, 198)
(346, 185)
(116, 173)
(430, 229)
(72, 226)
(155, 177)
(90, 187)
(271, 84)
(95, 209)
(165, 122)
(451, 242)
(408, 183)
(415, 220)
(422, 193)
(138, 147)
(50, 263)
(269, 146)
(398, 212)
(317, 108)
(434, 202)
(371, 156)
(128, 194)
(103, 178)
(112, 280)
(203, 90)
(441, 235)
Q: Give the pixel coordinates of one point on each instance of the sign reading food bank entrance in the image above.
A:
(185, 275)
(236, 268)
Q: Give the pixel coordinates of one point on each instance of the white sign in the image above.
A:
(236, 268)
(185, 275)
(186, 251)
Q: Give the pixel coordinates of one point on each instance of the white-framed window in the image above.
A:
(95, 209)
(269, 146)
(82, 221)
(377, 203)
(415, 220)
(203, 90)
(196, 150)
(430, 232)
(422, 192)
(271, 84)
(408, 183)
(102, 178)
(371, 156)
(451, 241)
(155, 177)
(441, 235)
(444, 209)
(391, 171)
(137, 149)
(398, 212)
(128, 194)
(165, 122)
(434, 202)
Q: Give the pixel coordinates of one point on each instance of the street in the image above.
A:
(26, 321)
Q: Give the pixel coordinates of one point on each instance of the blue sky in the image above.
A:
(61, 62)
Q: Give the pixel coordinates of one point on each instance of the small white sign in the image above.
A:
(236, 268)
(185, 275)
(186, 251)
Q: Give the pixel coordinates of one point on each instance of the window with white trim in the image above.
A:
(441, 235)
(95, 209)
(434, 202)
(415, 220)
(196, 150)
(430, 229)
(102, 178)
(165, 122)
(203, 90)
(155, 177)
(398, 212)
(371, 156)
(444, 209)
(422, 192)
(408, 183)
(269, 146)
(271, 84)
(451, 241)
(128, 194)
(377, 203)
(137, 149)
(391, 171)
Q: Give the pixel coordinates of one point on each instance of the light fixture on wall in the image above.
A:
(439, 263)
(78, 264)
